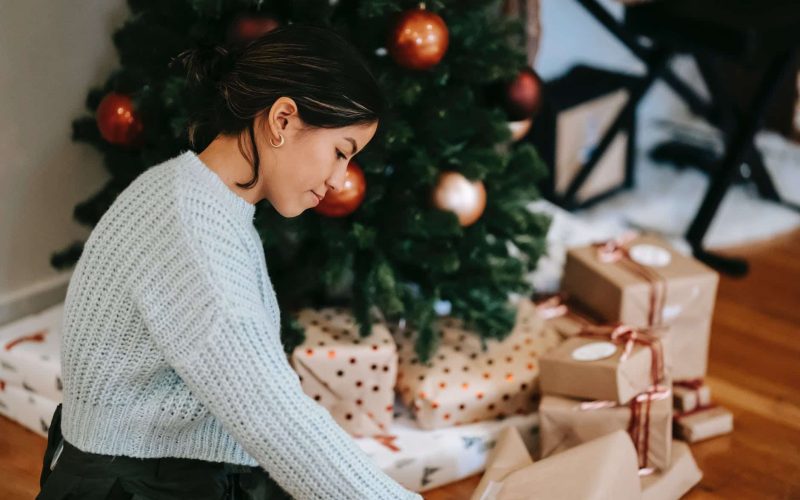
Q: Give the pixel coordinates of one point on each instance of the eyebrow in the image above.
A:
(353, 142)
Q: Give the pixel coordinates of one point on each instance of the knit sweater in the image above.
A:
(171, 344)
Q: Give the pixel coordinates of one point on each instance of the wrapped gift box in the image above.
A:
(464, 384)
(30, 352)
(566, 423)
(27, 408)
(642, 281)
(603, 365)
(422, 459)
(605, 467)
(676, 481)
(690, 395)
(353, 377)
(703, 423)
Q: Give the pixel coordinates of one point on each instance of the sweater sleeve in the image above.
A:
(198, 293)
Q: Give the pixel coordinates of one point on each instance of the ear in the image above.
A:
(283, 110)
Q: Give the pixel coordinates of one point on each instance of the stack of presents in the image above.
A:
(605, 378)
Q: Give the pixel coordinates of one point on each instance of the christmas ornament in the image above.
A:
(519, 128)
(117, 120)
(346, 200)
(457, 194)
(523, 95)
(419, 39)
(249, 27)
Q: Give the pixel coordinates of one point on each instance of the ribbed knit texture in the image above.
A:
(172, 348)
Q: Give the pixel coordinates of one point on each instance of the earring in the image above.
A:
(279, 144)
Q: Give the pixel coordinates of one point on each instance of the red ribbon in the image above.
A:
(616, 250)
(34, 337)
(628, 337)
(700, 408)
(639, 423)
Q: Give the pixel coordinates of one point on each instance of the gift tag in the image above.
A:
(594, 351)
(650, 255)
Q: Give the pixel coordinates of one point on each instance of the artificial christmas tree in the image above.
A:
(395, 254)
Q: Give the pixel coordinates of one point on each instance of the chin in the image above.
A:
(290, 212)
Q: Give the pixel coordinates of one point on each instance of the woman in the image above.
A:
(176, 384)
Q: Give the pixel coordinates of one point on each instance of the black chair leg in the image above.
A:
(736, 151)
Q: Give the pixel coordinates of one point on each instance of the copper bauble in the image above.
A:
(117, 120)
(349, 198)
(249, 27)
(523, 95)
(519, 128)
(419, 39)
(457, 194)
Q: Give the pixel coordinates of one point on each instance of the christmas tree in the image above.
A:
(441, 216)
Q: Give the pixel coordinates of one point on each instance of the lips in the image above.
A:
(318, 196)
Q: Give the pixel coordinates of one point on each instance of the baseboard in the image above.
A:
(34, 298)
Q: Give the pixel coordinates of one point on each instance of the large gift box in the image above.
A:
(603, 362)
(30, 352)
(27, 408)
(642, 281)
(465, 384)
(565, 423)
(601, 469)
(676, 481)
(422, 459)
(353, 377)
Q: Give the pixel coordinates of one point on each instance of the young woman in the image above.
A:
(176, 385)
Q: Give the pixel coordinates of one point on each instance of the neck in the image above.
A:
(226, 160)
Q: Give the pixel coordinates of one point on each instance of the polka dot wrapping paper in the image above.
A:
(463, 384)
(353, 377)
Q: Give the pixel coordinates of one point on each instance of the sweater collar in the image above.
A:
(233, 201)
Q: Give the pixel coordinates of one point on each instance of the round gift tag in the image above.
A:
(594, 351)
(650, 255)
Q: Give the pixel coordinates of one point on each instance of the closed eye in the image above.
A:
(340, 155)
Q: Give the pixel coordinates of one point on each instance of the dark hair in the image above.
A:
(325, 76)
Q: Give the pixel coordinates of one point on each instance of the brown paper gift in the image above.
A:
(609, 363)
(703, 423)
(353, 377)
(642, 281)
(690, 395)
(464, 384)
(676, 481)
(565, 316)
(605, 468)
(565, 423)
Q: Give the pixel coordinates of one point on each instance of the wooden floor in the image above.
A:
(754, 370)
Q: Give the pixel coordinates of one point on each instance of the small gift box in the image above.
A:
(603, 362)
(690, 394)
(30, 352)
(676, 481)
(703, 423)
(465, 384)
(606, 467)
(422, 459)
(567, 422)
(642, 281)
(353, 377)
(31, 410)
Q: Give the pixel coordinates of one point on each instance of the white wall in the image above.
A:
(50, 54)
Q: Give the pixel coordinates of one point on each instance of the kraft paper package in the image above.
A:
(676, 481)
(642, 281)
(601, 469)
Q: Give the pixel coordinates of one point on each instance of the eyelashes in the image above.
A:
(340, 155)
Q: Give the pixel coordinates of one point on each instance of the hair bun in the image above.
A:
(206, 63)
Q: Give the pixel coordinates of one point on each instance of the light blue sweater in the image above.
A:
(171, 344)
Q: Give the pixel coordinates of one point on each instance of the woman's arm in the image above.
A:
(205, 312)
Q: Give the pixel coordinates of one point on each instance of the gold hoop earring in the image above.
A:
(279, 144)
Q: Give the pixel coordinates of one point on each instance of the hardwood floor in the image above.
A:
(754, 370)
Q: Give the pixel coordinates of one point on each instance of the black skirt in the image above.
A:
(88, 476)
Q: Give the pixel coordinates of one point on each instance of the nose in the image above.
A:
(336, 181)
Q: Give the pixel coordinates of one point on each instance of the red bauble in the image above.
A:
(249, 27)
(457, 194)
(118, 121)
(523, 95)
(419, 39)
(349, 198)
